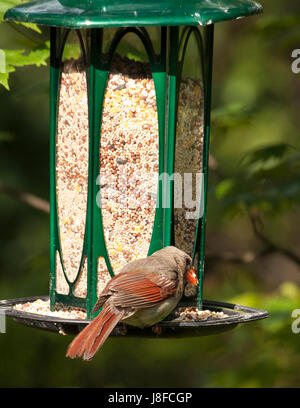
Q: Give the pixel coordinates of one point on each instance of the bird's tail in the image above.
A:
(92, 337)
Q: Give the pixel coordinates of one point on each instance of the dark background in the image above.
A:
(253, 255)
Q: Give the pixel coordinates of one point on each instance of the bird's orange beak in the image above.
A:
(192, 277)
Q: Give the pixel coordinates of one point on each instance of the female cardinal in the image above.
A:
(142, 294)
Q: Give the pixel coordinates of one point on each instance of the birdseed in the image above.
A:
(42, 307)
(72, 172)
(128, 164)
(196, 315)
(188, 160)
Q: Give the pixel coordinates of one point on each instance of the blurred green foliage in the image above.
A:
(255, 146)
(35, 54)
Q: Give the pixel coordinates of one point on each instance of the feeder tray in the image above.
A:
(170, 327)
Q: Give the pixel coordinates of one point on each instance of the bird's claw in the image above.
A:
(157, 330)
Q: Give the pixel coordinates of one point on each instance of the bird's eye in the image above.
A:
(187, 261)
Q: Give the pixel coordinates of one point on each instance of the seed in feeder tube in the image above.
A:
(122, 161)
(131, 80)
(188, 159)
(72, 172)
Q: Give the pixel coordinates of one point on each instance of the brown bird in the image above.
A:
(142, 294)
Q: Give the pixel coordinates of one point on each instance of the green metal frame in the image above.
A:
(200, 233)
(128, 13)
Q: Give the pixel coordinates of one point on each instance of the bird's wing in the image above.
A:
(137, 289)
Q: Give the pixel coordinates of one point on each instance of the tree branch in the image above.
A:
(246, 258)
(249, 257)
(257, 225)
(27, 198)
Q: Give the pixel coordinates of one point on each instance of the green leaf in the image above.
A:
(4, 76)
(272, 24)
(5, 136)
(231, 116)
(18, 58)
(32, 26)
(36, 57)
(7, 4)
(268, 156)
(71, 51)
(224, 188)
(4, 80)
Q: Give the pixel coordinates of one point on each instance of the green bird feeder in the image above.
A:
(130, 104)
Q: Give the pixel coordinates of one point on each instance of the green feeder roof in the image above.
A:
(119, 13)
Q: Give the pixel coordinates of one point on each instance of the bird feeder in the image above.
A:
(130, 103)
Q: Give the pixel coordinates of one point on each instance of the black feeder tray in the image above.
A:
(168, 328)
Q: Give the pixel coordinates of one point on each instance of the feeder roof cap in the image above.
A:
(121, 13)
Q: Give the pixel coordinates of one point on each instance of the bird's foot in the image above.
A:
(157, 330)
